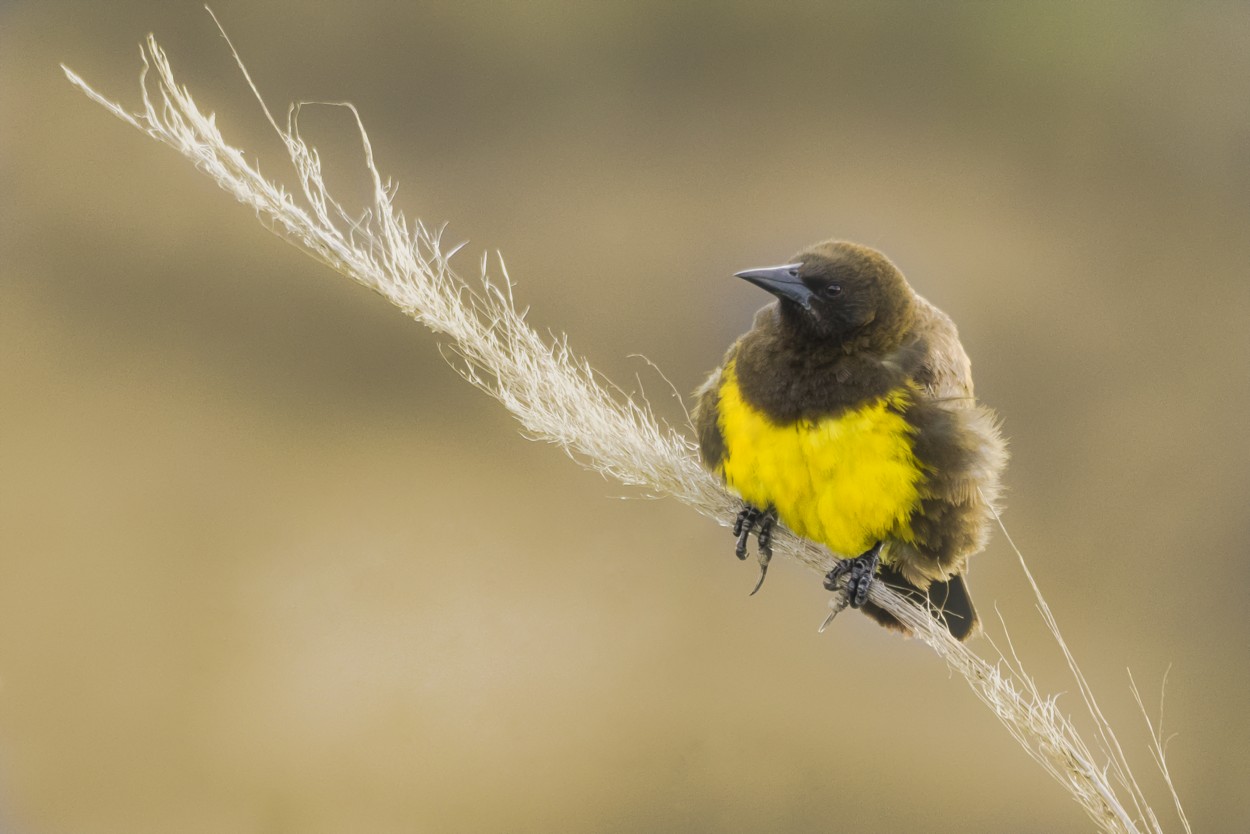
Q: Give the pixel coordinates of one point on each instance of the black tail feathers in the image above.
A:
(949, 601)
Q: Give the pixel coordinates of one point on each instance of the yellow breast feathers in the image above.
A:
(846, 481)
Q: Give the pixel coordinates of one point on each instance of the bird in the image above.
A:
(847, 414)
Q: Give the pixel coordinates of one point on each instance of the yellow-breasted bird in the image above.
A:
(847, 414)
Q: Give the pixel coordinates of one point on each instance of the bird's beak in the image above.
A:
(781, 281)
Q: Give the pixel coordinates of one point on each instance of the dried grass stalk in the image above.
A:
(559, 398)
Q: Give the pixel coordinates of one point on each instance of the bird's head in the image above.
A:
(840, 292)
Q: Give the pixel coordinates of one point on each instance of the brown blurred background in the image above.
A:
(269, 565)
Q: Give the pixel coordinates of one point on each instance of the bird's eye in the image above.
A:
(832, 290)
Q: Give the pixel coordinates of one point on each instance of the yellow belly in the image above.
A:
(846, 482)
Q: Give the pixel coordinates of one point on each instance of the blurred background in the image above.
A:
(268, 565)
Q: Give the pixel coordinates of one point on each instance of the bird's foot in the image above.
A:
(762, 522)
(863, 569)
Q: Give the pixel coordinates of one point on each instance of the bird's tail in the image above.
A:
(949, 601)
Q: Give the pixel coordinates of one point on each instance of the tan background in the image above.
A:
(268, 565)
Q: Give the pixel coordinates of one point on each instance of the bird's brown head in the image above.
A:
(840, 292)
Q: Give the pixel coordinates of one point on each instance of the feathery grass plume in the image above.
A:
(559, 398)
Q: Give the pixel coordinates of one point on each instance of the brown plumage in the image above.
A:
(847, 412)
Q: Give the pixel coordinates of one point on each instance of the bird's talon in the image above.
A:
(761, 522)
(743, 526)
(861, 591)
(832, 577)
(763, 573)
(863, 570)
(765, 535)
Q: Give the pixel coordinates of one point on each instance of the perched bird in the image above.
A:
(847, 414)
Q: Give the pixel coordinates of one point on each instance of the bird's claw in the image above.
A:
(763, 573)
(863, 569)
(757, 520)
(761, 522)
(743, 531)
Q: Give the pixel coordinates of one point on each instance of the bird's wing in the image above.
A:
(959, 442)
(945, 372)
(706, 418)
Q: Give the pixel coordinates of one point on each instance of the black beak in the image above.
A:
(781, 281)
